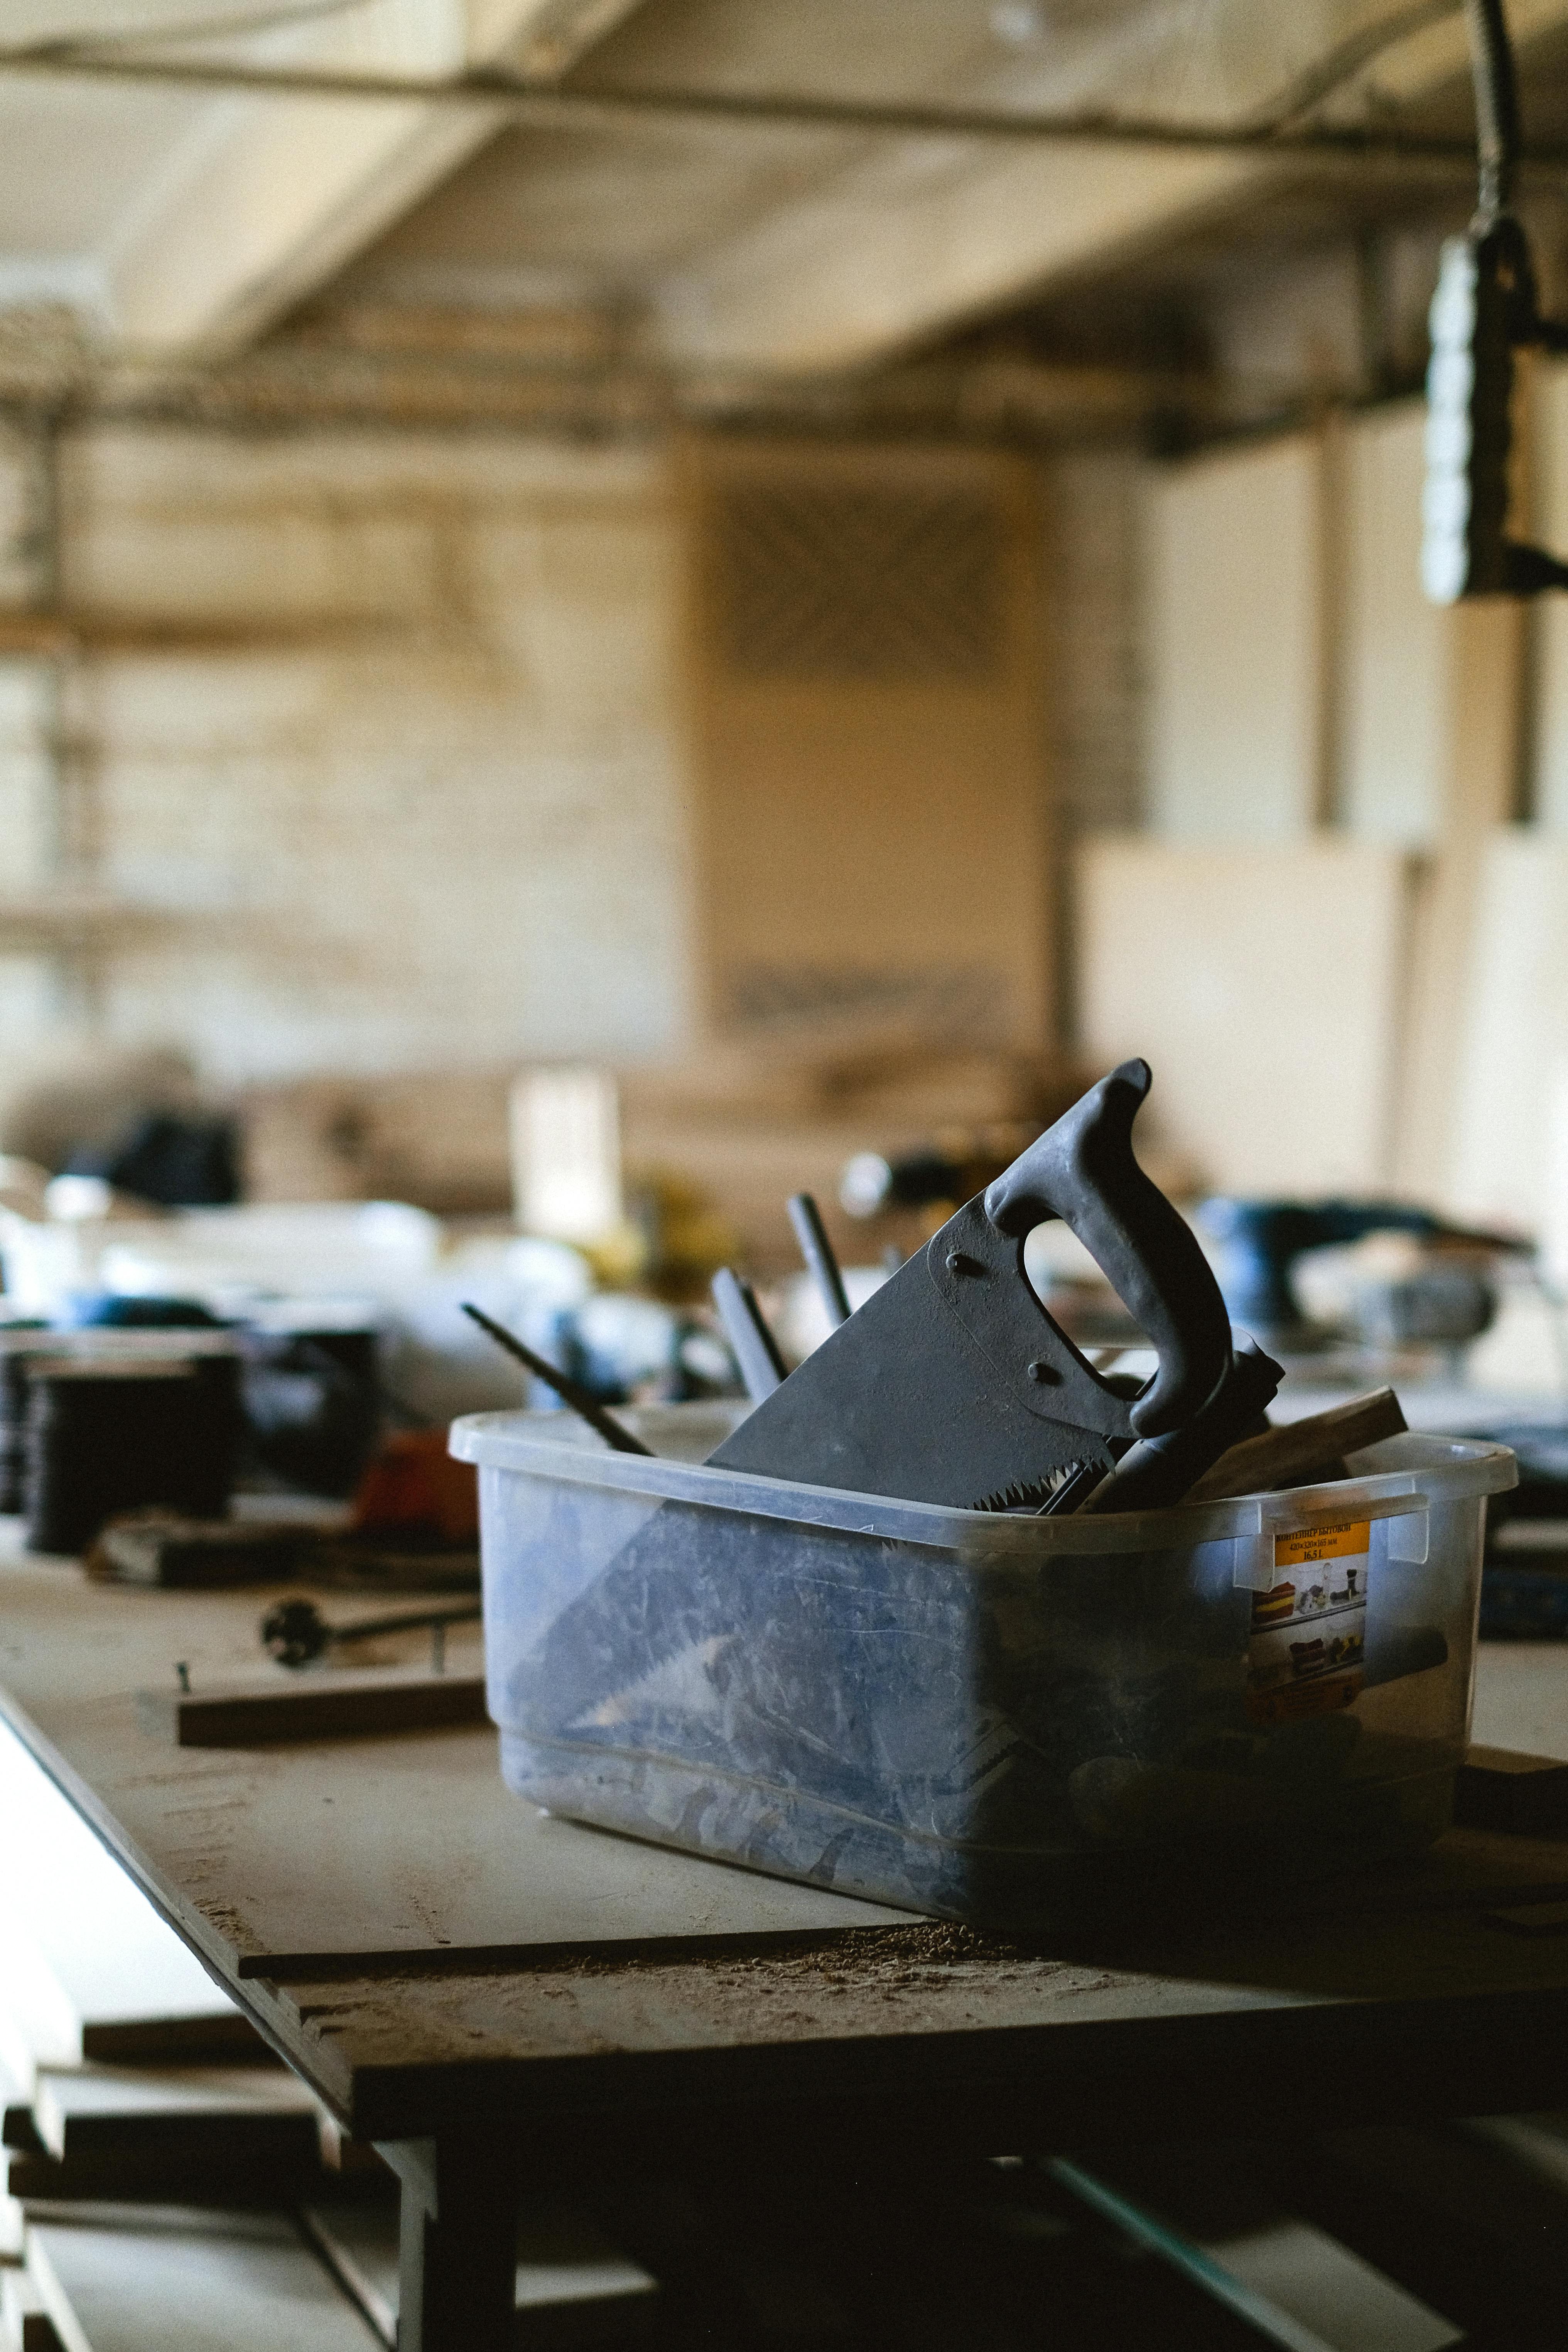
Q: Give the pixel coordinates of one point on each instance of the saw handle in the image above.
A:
(1083, 1172)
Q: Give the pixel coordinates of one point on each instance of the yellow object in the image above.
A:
(1339, 1539)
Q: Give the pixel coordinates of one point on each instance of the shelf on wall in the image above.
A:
(67, 917)
(36, 633)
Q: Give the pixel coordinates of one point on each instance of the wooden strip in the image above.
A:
(151, 2281)
(1303, 1453)
(87, 1966)
(260, 2114)
(204, 2177)
(24, 2322)
(343, 1706)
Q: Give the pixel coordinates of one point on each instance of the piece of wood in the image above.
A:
(24, 2322)
(1516, 1795)
(869, 818)
(88, 1968)
(256, 2115)
(1235, 631)
(574, 2286)
(219, 2179)
(1451, 943)
(257, 1846)
(162, 1548)
(1183, 959)
(1511, 1141)
(1396, 738)
(153, 2280)
(457, 2241)
(1304, 1452)
(341, 1705)
(10, 2211)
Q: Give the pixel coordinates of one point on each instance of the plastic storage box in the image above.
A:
(970, 1714)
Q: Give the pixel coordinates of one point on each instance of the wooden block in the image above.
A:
(1235, 593)
(336, 1705)
(87, 1966)
(241, 2114)
(1303, 1453)
(24, 2322)
(573, 2287)
(161, 2281)
(1274, 1063)
(10, 2211)
(1520, 1796)
(208, 2179)
(163, 1548)
(1509, 1135)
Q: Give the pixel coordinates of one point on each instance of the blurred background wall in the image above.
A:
(683, 594)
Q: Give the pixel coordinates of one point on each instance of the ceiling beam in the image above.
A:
(900, 246)
(272, 191)
(882, 256)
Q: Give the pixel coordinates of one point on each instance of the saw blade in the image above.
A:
(907, 1399)
(1027, 1496)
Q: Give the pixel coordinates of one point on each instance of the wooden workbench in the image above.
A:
(498, 2000)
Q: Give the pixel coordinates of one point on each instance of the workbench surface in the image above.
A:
(431, 1956)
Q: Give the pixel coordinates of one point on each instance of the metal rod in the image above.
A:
(510, 97)
(746, 1328)
(581, 1400)
(818, 1253)
(295, 1631)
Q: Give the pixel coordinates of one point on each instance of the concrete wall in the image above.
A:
(381, 729)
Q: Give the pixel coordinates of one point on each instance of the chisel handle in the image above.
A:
(818, 1253)
(745, 1327)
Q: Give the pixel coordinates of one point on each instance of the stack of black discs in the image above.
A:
(14, 1418)
(109, 1433)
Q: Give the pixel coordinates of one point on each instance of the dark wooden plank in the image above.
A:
(321, 1706)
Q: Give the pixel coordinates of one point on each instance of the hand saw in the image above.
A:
(953, 1385)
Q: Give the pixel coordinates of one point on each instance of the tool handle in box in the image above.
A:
(1083, 1170)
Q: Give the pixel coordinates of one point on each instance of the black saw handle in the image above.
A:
(1083, 1172)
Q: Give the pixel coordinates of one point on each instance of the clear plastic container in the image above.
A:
(970, 1714)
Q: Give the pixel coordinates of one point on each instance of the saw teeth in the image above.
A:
(1026, 1495)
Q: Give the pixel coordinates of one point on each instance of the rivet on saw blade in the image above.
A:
(959, 1262)
(1040, 1370)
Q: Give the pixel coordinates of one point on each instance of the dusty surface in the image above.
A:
(366, 1850)
(752, 1983)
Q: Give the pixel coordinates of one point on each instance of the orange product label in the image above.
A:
(1331, 1540)
(1298, 1702)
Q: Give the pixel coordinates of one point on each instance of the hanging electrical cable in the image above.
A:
(1485, 308)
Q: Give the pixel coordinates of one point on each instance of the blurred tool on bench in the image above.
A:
(1445, 1298)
